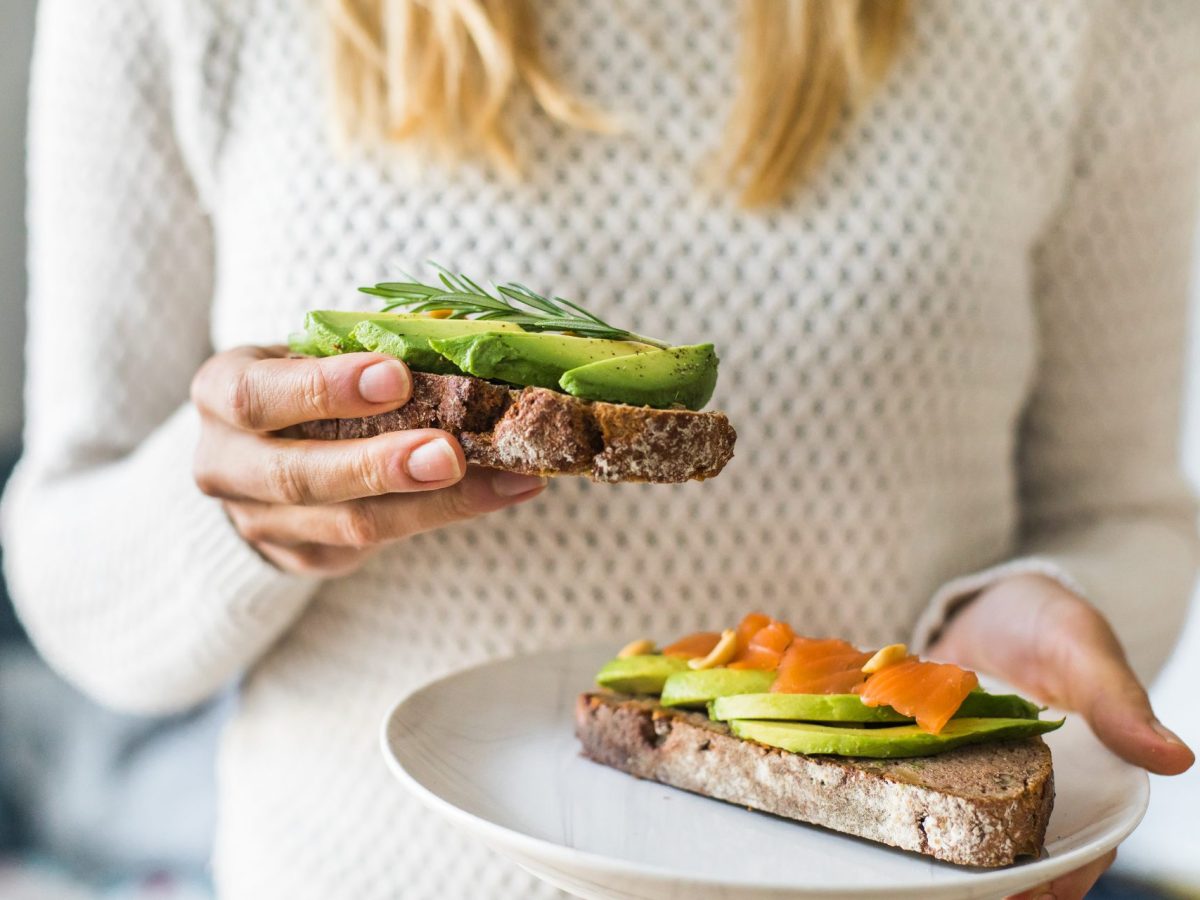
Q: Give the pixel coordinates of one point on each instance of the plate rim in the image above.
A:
(502, 836)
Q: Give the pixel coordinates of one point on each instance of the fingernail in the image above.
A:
(509, 484)
(1166, 733)
(1046, 895)
(383, 382)
(434, 461)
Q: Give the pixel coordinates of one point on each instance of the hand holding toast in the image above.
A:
(1054, 645)
(322, 507)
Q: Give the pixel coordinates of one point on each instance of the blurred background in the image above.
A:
(94, 804)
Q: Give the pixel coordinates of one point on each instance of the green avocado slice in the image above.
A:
(802, 708)
(303, 342)
(850, 708)
(589, 368)
(980, 704)
(413, 349)
(538, 360)
(886, 743)
(661, 378)
(413, 325)
(408, 339)
(328, 332)
(698, 687)
(639, 674)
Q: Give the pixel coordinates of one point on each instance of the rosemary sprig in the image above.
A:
(511, 302)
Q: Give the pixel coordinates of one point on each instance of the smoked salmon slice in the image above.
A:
(765, 648)
(751, 624)
(820, 666)
(698, 644)
(929, 692)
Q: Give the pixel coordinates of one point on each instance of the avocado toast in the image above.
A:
(532, 384)
(945, 769)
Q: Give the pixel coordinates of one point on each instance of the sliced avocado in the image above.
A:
(802, 708)
(886, 743)
(683, 375)
(530, 359)
(332, 331)
(981, 704)
(413, 349)
(697, 687)
(588, 368)
(850, 708)
(329, 330)
(429, 327)
(639, 674)
(302, 342)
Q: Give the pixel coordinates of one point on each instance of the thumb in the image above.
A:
(1093, 677)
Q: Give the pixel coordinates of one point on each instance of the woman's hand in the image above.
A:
(322, 507)
(1048, 642)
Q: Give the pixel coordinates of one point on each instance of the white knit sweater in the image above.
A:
(957, 348)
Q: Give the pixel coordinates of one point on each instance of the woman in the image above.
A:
(950, 327)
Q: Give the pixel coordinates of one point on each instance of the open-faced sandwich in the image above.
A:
(533, 384)
(877, 744)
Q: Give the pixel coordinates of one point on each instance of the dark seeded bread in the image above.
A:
(981, 805)
(539, 432)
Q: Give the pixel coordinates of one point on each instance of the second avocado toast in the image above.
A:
(880, 745)
(532, 384)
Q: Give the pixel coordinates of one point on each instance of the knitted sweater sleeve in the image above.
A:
(1105, 508)
(130, 582)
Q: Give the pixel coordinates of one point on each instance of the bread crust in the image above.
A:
(535, 431)
(982, 805)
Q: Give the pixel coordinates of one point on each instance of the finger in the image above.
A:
(239, 465)
(314, 560)
(1130, 729)
(370, 522)
(1050, 642)
(251, 388)
(1072, 886)
(1095, 679)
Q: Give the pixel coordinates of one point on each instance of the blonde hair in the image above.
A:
(444, 71)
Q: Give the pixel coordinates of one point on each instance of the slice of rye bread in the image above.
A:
(540, 432)
(981, 805)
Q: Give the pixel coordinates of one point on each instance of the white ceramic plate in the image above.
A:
(493, 750)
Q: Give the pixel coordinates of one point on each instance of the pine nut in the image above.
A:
(720, 654)
(639, 647)
(889, 655)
